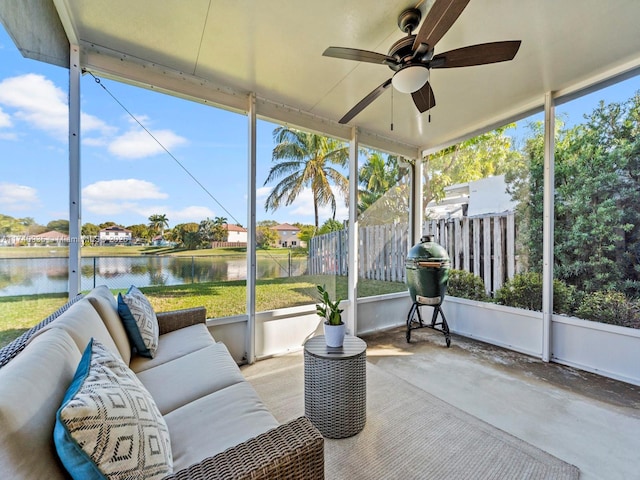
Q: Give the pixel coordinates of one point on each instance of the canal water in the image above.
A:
(31, 276)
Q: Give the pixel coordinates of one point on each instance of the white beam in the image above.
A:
(352, 277)
(548, 225)
(251, 234)
(416, 215)
(75, 215)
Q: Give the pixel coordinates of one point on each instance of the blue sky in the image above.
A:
(125, 175)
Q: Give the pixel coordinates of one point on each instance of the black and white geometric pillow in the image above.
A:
(109, 425)
(139, 321)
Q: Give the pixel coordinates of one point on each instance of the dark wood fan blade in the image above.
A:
(480, 54)
(439, 19)
(364, 103)
(424, 98)
(359, 55)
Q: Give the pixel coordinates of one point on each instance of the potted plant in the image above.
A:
(329, 311)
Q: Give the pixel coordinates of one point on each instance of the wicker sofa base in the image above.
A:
(294, 450)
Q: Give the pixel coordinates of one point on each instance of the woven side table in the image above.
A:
(335, 386)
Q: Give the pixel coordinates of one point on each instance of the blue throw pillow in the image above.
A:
(139, 321)
(109, 425)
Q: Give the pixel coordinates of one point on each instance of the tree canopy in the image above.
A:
(597, 193)
(306, 160)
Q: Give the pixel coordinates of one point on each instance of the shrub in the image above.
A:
(610, 307)
(525, 291)
(463, 284)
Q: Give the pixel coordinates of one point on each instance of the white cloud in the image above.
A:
(303, 208)
(18, 197)
(8, 136)
(113, 198)
(193, 213)
(263, 192)
(121, 190)
(139, 144)
(37, 101)
(5, 119)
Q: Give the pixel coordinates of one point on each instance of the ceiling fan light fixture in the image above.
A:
(410, 79)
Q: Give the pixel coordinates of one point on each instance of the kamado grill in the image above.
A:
(427, 267)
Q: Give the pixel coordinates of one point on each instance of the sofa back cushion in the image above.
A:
(32, 387)
(83, 323)
(107, 307)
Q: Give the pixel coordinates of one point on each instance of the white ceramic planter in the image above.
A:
(334, 334)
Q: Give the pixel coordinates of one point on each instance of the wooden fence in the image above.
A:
(484, 246)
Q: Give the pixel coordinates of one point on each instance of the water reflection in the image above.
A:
(28, 276)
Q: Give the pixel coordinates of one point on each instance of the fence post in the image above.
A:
(94, 272)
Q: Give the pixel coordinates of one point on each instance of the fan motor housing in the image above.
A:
(409, 20)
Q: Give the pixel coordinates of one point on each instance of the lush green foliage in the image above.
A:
(597, 220)
(384, 189)
(610, 307)
(525, 291)
(479, 157)
(330, 225)
(463, 284)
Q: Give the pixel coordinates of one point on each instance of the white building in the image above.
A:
(114, 235)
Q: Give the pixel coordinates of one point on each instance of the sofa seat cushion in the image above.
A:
(216, 422)
(108, 425)
(107, 307)
(175, 344)
(185, 379)
(32, 387)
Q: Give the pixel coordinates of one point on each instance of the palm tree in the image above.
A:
(376, 176)
(306, 160)
(158, 222)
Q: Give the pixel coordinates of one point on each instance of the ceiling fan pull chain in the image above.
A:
(392, 109)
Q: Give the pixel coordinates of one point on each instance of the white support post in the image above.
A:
(352, 273)
(251, 235)
(417, 202)
(548, 225)
(75, 212)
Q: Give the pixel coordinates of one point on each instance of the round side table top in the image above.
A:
(352, 347)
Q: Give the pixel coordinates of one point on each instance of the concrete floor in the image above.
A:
(586, 420)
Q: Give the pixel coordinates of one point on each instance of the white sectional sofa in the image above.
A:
(218, 426)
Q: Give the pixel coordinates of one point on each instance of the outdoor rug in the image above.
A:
(411, 434)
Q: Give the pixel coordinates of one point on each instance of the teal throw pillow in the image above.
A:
(109, 425)
(139, 321)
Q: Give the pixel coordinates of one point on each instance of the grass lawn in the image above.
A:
(221, 299)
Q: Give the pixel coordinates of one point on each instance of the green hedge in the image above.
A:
(610, 307)
(524, 290)
(463, 284)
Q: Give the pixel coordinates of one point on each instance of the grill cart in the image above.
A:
(427, 267)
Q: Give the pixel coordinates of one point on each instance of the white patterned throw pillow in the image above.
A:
(139, 321)
(108, 425)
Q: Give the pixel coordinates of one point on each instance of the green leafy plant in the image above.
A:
(328, 310)
(463, 284)
(525, 291)
(610, 307)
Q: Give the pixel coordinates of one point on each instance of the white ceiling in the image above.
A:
(222, 50)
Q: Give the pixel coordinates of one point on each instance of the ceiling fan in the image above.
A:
(412, 57)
